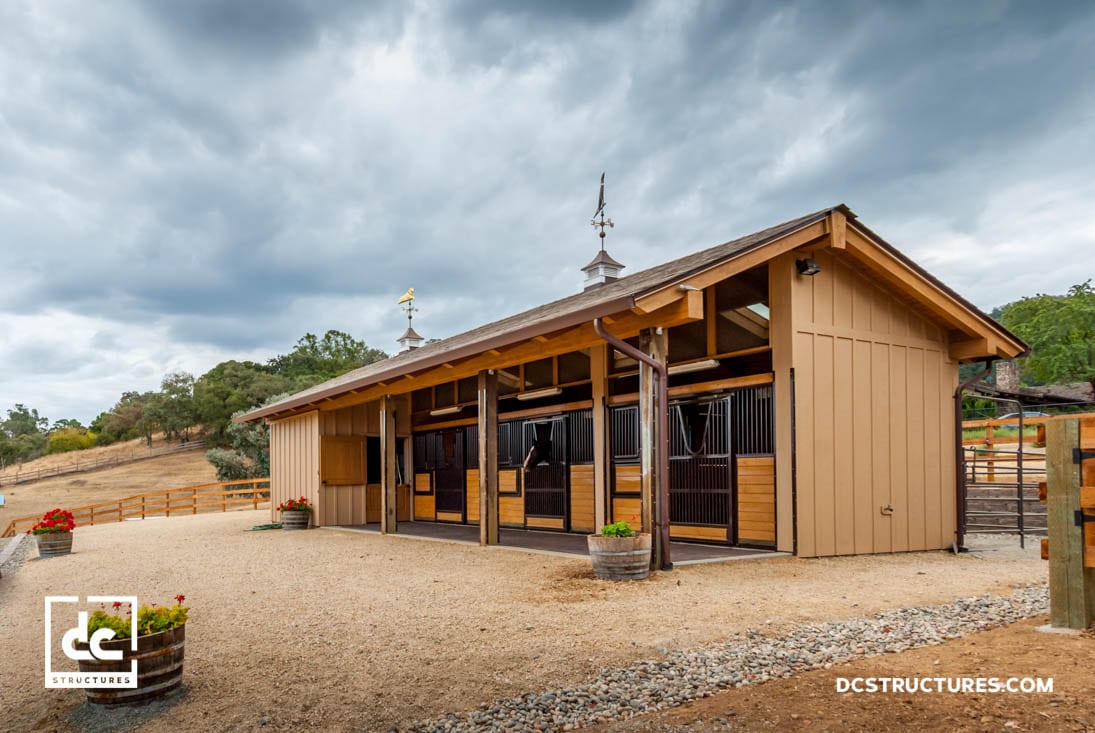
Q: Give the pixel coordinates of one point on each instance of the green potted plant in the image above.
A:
(295, 513)
(619, 552)
(161, 648)
(54, 533)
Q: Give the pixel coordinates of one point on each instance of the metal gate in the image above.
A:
(701, 477)
(1001, 490)
(706, 436)
(449, 475)
(545, 474)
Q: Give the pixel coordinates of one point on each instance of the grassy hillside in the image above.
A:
(79, 489)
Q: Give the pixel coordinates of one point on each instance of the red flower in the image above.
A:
(180, 598)
(117, 604)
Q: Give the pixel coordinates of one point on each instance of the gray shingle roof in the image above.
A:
(566, 312)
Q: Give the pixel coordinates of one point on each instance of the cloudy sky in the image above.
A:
(187, 182)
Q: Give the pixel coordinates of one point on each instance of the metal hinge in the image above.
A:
(1082, 518)
(1079, 455)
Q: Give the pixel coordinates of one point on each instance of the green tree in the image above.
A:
(232, 387)
(23, 421)
(1061, 332)
(316, 360)
(174, 405)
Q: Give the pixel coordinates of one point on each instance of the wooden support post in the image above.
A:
(646, 437)
(659, 351)
(488, 457)
(598, 370)
(1071, 585)
(388, 523)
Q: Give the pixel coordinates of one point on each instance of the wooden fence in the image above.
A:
(189, 500)
(78, 466)
(1012, 423)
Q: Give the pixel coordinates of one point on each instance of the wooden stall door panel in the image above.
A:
(343, 460)
(581, 498)
(403, 503)
(628, 509)
(472, 501)
(756, 499)
(372, 503)
(511, 505)
(423, 502)
(628, 479)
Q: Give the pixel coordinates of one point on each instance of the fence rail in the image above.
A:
(218, 496)
(78, 466)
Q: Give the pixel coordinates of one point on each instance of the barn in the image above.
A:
(792, 390)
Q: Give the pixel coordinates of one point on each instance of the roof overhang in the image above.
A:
(426, 358)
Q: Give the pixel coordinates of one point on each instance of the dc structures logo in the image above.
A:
(122, 680)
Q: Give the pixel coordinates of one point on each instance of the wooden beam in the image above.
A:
(580, 337)
(659, 351)
(598, 372)
(737, 264)
(647, 416)
(388, 523)
(896, 273)
(488, 457)
(970, 349)
(1071, 585)
(838, 227)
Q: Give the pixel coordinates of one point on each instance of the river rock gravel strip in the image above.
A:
(748, 658)
(14, 552)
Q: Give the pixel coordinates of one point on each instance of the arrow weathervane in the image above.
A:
(601, 210)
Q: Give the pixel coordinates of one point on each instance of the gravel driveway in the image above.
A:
(344, 630)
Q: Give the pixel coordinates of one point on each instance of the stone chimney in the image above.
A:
(1007, 375)
(603, 269)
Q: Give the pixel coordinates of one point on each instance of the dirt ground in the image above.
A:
(109, 484)
(811, 702)
(337, 630)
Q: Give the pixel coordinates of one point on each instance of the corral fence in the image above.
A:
(21, 477)
(1001, 474)
(220, 496)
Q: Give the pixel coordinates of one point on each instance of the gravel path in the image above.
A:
(350, 631)
(14, 551)
(750, 658)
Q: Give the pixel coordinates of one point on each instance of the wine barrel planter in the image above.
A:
(620, 558)
(52, 544)
(295, 519)
(159, 667)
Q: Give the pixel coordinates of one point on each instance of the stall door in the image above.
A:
(545, 474)
(449, 476)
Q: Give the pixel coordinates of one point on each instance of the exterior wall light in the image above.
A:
(807, 267)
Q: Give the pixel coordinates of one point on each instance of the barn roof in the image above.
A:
(611, 298)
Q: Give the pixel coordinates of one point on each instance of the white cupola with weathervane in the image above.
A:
(602, 269)
(410, 338)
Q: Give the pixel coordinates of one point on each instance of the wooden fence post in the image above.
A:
(1071, 585)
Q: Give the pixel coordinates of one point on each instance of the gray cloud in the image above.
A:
(182, 183)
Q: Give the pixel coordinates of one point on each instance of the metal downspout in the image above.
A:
(661, 521)
(959, 472)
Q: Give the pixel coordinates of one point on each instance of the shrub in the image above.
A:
(617, 529)
(150, 619)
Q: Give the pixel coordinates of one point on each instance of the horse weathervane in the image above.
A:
(601, 210)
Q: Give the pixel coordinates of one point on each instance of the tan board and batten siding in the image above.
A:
(873, 386)
(294, 460)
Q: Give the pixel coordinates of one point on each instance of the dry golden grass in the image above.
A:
(137, 448)
(109, 484)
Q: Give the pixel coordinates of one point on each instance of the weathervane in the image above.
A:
(407, 301)
(601, 210)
